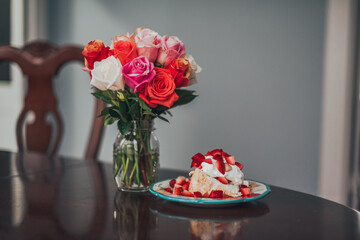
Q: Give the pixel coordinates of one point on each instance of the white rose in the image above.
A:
(107, 74)
(194, 69)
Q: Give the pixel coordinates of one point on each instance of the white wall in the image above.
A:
(338, 97)
(259, 92)
(12, 91)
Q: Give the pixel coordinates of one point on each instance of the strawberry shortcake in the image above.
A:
(216, 175)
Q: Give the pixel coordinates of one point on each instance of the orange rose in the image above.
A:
(124, 48)
(94, 51)
(161, 90)
(127, 37)
(180, 70)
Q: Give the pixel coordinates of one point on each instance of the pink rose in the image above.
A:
(171, 49)
(138, 72)
(148, 43)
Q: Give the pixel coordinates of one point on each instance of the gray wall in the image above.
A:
(259, 92)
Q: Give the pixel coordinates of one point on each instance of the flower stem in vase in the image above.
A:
(119, 165)
(137, 169)
(143, 173)
(126, 165)
(131, 175)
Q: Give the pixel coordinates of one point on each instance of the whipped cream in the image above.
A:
(235, 175)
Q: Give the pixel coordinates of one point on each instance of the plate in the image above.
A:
(258, 191)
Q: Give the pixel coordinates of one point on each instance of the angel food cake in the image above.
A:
(216, 175)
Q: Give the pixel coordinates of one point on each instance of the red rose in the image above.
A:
(180, 70)
(94, 51)
(161, 90)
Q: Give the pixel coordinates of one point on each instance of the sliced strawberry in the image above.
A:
(198, 157)
(215, 152)
(172, 183)
(177, 190)
(197, 194)
(186, 186)
(216, 194)
(207, 160)
(200, 167)
(194, 164)
(230, 160)
(239, 165)
(187, 193)
(168, 190)
(218, 158)
(220, 165)
(245, 191)
(206, 195)
(224, 154)
(244, 186)
(180, 180)
(197, 160)
(227, 167)
(223, 180)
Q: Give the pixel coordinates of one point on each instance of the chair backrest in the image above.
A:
(40, 62)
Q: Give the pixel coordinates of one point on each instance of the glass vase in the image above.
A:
(136, 157)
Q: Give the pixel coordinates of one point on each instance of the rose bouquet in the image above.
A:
(140, 76)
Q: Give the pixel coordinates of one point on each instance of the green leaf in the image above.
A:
(114, 113)
(168, 112)
(124, 127)
(185, 96)
(122, 108)
(119, 112)
(161, 108)
(150, 113)
(104, 112)
(109, 120)
(134, 110)
(144, 106)
(105, 96)
(162, 118)
(134, 98)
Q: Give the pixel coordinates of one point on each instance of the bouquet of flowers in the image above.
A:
(140, 76)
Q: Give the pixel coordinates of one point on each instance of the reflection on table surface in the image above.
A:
(62, 198)
(138, 216)
(215, 223)
(39, 200)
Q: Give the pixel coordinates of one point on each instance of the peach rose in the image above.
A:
(94, 51)
(180, 70)
(161, 90)
(127, 37)
(194, 69)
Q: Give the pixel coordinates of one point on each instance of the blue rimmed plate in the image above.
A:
(258, 191)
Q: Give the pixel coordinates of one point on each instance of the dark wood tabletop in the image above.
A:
(63, 198)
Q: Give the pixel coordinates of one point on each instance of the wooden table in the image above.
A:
(64, 198)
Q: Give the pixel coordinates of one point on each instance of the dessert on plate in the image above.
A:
(216, 175)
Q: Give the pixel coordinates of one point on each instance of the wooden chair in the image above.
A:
(40, 62)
